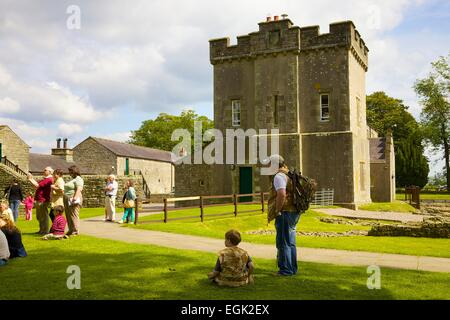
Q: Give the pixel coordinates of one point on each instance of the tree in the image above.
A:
(157, 133)
(386, 113)
(410, 164)
(434, 92)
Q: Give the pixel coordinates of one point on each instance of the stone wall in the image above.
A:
(93, 193)
(434, 227)
(278, 73)
(158, 175)
(382, 174)
(6, 177)
(96, 157)
(14, 148)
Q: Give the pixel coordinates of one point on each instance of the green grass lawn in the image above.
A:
(117, 270)
(215, 227)
(426, 196)
(397, 206)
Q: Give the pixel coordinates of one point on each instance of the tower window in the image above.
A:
(324, 107)
(236, 113)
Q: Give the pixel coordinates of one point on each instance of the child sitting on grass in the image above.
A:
(13, 236)
(58, 226)
(4, 209)
(234, 267)
(29, 203)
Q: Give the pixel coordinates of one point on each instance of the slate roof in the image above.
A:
(377, 149)
(132, 151)
(39, 161)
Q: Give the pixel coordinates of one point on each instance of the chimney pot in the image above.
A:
(268, 19)
(275, 18)
(65, 143)
(58, 143)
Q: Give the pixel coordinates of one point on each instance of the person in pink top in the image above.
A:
(42, 199)
(29, 204)
(58, 226)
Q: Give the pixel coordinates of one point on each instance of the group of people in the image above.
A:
(53, 198)
(234, 267)
(128, 201)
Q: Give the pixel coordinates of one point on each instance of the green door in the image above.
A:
(245, 183)
(127, 167)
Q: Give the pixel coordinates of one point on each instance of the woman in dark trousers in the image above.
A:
(15, 197)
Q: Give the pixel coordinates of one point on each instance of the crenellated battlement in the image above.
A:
(272, 37)
(341, 34)
(282, 36)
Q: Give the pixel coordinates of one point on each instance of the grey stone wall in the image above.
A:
(382, 175)
(6, 177)
(93, 193)
(14, 148)
(93, 155)
(293, 66)
(431, 228)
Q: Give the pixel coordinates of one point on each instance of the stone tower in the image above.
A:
(311, 87)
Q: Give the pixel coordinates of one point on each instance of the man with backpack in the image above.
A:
(290, 194)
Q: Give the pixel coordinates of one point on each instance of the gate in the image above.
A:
(412, 194)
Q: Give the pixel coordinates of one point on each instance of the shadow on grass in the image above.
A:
(114, 270)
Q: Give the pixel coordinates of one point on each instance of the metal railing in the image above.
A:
(13, 166)
(324, 197)
(145, 188)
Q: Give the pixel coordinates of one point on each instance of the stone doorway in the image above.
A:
(245, 183)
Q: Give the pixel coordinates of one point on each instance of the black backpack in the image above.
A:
(304, 190)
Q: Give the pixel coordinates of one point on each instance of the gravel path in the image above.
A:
(97, 228)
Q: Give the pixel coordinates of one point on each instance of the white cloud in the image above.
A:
(8, 105)
(117, 136)
(38, 137)
(69, 129)
(154, 55)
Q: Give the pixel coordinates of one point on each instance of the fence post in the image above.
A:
(201, 208)
(262, 202)
(165, 210)
(136, 213)
(235, 204)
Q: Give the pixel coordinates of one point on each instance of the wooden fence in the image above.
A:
(202, 205)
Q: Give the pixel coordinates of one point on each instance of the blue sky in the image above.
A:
(127, 63)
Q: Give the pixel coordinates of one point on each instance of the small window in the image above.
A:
(324, 107)
(275, 110)
(236, 113)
